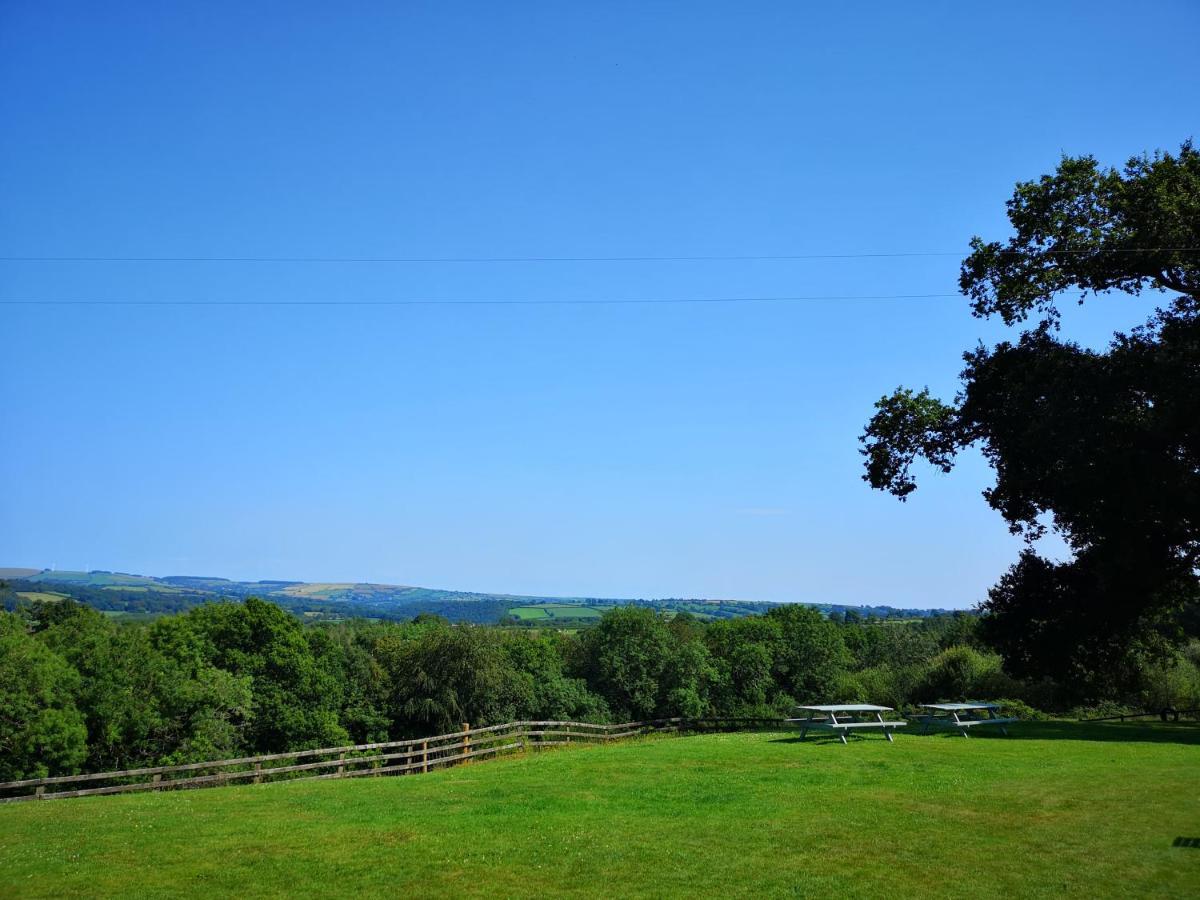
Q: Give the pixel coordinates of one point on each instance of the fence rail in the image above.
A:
(1167, 714)
(413, 756)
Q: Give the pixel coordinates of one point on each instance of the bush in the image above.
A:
(1020, 709)
(849, 688)
(1173, 684)
(1106, 709)
(888, 685)
(957, 673)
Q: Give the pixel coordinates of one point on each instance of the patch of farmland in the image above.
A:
(94, 579)
(556, 611)
(41, 596)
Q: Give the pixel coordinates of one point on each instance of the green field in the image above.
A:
(551, 612)
(1054, 810)
(95, 579)
(41, 596)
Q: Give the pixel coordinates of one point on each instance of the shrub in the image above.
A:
(1020, 709)
(1173, 684)
(957, 673)
(849, 688)
(1102, 710)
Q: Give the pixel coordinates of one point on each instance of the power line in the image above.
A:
(556, 259)
(498, 301)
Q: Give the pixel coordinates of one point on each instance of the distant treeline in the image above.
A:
(79, 692)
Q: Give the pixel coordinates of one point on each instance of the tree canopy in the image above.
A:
(1103, 447)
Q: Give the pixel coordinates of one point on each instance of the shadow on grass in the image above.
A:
(1123, 732)
(824, 737)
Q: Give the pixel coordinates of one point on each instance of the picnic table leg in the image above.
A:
(833, 721)
(804, 726)
(958, 722)
(887, 734)
(1003, 728)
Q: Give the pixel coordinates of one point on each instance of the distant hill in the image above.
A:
(17, 573)
(126, 593)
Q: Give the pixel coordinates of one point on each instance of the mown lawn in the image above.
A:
(1056, 809)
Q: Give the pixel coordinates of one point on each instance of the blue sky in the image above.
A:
(614, 450)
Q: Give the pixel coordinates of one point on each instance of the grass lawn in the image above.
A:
(1055, 809)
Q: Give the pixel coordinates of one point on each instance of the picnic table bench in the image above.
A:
(843, 718)
(962, 716)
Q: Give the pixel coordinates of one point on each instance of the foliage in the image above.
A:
(41, 731)
(624, 658)
(743, 653)
(238, 679)
(812, 652)
(448, 676)
(1173, 683)
(1104, 447)
(955, 674)
(1093, 229)
(297, 694)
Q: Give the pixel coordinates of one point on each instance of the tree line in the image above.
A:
(79, 692)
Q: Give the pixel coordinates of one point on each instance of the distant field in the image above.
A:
(96, 579)
(550, 612)
(42, 596)
(1058, 809)
(119, 615)
(319, 590)
(316, 590)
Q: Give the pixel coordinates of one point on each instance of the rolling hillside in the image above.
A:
(122, 592)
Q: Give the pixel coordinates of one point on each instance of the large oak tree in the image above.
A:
(1101, 447)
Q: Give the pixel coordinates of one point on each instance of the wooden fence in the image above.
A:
(388, 758)
(1169, 714)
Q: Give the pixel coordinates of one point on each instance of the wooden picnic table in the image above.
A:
(962, 716)
(842, 718)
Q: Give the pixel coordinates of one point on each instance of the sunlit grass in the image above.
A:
(1056, 809)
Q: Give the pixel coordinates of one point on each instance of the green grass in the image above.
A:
(557, 611)
(94, 579)
(1055, 810)
(43, 596)
(125, 616)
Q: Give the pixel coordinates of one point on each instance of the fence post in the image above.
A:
(466, 727)
(257, 773)
(341, 769)
(157, 779)
(40, 793)
(424, 756)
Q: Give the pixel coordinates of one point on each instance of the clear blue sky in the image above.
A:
(614, 450)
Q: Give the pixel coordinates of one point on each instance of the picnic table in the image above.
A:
(842, 718)
(962, 716)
